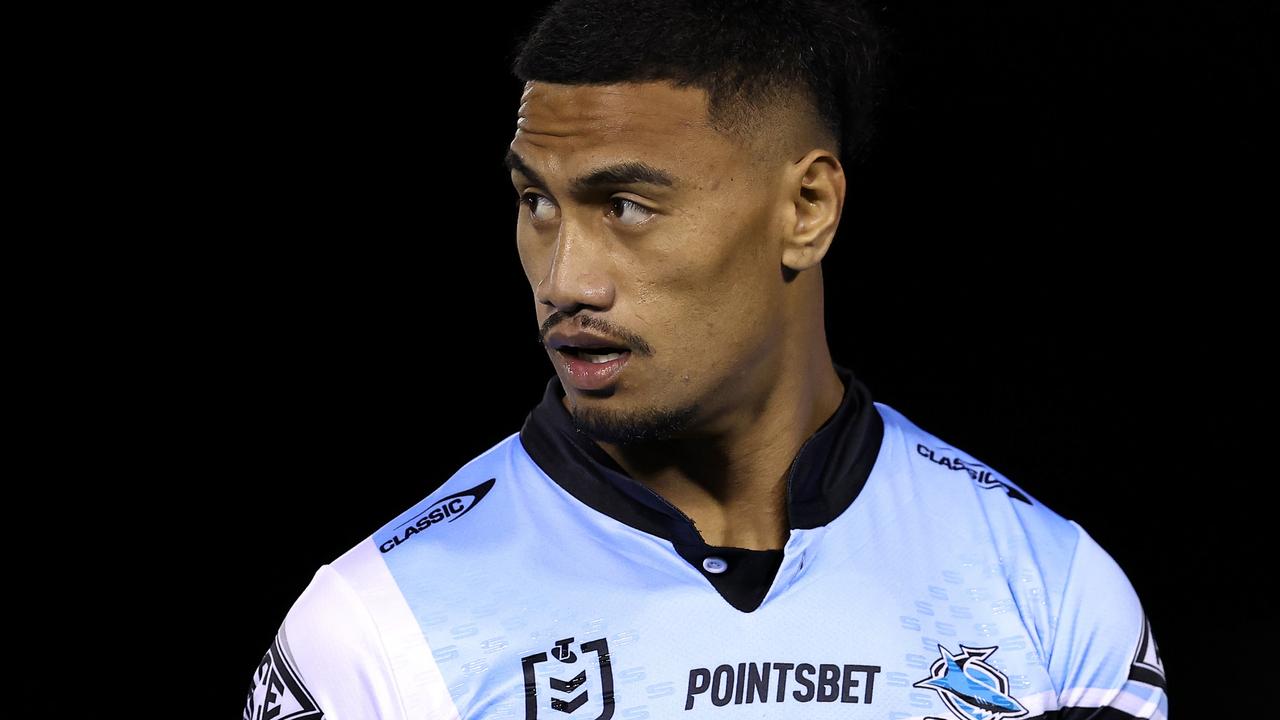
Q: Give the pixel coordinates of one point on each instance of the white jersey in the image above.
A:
(541, 581)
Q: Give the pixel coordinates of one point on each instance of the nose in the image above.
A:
(579, 273)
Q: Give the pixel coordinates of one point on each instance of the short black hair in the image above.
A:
(748, 55)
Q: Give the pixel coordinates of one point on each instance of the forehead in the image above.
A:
(651, 121)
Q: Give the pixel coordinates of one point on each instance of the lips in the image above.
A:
(583, 340)
(576, 349)
(587, 375)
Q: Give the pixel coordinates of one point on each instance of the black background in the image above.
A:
(1051, 258)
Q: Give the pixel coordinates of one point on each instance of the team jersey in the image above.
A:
(541, 582)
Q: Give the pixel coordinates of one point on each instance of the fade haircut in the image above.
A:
(753, 58)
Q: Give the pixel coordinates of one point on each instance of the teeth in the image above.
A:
(597, 359)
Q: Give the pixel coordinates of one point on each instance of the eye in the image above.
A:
(639, 213)
(533, 209)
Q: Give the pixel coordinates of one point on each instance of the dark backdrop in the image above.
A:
(1049, 259)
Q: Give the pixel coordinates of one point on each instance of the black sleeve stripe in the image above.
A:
(277, 692)
(1147, 666)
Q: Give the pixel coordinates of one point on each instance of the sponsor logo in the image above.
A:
(563, 684)
(970, 687)
(1146, 666)
(767, 683)
(446, 509)
(979, 473)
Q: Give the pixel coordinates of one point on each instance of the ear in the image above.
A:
(816, 187)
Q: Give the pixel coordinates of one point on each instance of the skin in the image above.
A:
(715, 284)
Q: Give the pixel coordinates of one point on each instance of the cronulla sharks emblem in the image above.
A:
(566, 689)
(969, 686)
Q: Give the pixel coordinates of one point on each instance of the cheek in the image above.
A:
(719, 306)
(737, 289)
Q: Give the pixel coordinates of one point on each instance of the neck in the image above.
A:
(732, 482)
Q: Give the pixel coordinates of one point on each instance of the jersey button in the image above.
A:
(715, 565)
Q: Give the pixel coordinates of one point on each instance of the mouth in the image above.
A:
(592, 368)
(595, 355)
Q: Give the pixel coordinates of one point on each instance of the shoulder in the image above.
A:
(1087, 620)
(350, 646)
(476, 488)
(952, 485)
(964, 500)
(326, 660)
(446, 521)
(1103, 650)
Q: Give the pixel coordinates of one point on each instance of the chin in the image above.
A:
(630, 425)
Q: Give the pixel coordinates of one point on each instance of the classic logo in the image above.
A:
(978, 472)
(569, 683)
(447, 508)
(971, 688)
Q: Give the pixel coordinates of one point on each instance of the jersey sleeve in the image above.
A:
(1103, 657)
(326, 661)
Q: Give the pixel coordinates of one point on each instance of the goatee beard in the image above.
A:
(631, 427)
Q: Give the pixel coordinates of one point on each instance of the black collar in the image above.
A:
(826, 475)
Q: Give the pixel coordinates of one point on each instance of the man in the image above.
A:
(705, 516)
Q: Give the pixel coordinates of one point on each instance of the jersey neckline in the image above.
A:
(825, 477)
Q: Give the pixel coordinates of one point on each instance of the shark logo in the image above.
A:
(971, 688)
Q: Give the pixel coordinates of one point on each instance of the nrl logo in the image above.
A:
(971, 688)
(564, 685)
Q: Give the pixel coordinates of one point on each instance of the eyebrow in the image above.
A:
(626, 173)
